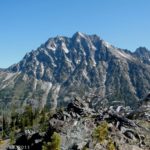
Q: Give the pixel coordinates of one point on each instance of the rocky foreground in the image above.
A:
(79, 127)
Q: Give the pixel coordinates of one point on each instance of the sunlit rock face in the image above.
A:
(82, 65)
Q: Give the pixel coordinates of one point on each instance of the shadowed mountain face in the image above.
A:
(82, 65)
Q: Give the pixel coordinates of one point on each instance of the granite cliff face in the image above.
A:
(83, 66)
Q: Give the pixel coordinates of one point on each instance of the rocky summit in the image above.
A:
(78, 127)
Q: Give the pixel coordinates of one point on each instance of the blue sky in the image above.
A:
(25, 24)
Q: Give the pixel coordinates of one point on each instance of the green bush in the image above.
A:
(12, 137)
(110, 145)
(84, 148)
(54, 144)
(101, 132)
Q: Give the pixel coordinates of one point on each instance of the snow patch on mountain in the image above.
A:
(10, 79)
(121, 54)
(85, 74)
(42, 69)
(94, 62)
(9, 76)
(64, 47)
(51, 46)
(81, 34)
(35, 84)
(107, 44)
(46, 86)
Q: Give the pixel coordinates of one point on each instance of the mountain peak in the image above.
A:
(62, 64)
(143, 54)
(79, 35)
(142, 50)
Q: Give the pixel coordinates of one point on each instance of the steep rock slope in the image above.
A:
(82, 65)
